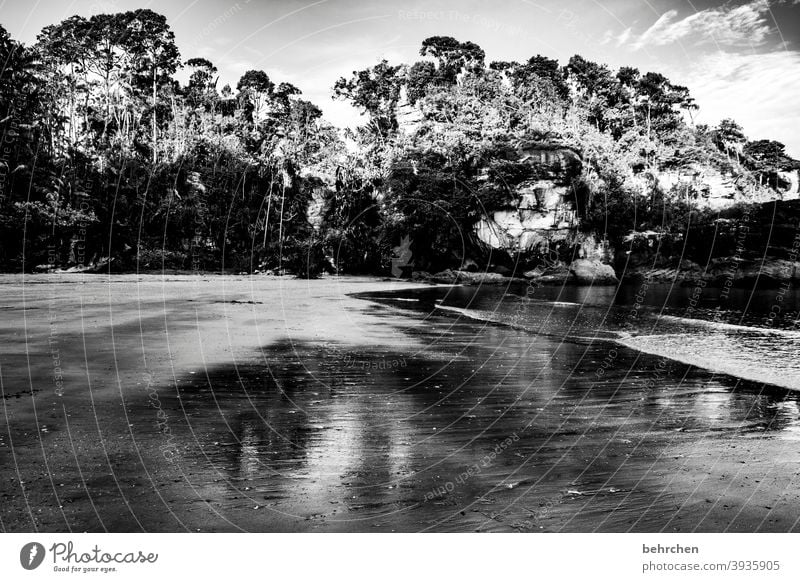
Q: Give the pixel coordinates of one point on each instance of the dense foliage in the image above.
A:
(108, 160)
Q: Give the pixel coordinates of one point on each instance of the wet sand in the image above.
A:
(239, 404)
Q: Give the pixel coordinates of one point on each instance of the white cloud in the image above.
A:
(619, 39)
(741, 25)
(623, 38)
(760, 91)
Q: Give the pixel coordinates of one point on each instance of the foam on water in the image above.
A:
(478, 315)
(757, 354)
(722, 326)
(515, 321)
(759, 357)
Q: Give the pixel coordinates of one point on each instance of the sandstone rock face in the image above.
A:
(542, 217)
(585, 271)
(542, 212)
(525, 230)
(792, 192)
(717, 190)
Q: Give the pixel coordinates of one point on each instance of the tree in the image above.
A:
(106, 155)
(154, 54)
(628, 78)
(283, 97)
(658, 99)
(547, 71)
(540, 80)
(767, 158)
(64, 53)
(595, 88)
(729, 137)
(453, 56)
(107, 58)
(376, 91)
(681, 97)
(255, 89)
(420, 77)
(202, 79)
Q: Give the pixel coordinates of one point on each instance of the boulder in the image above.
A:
(770, 268)
(450, 276)
(556, 274)
(585, 271)
(469, 265)
(446, 276)
(768, 272)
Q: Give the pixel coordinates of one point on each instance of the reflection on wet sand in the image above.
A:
(440, 422)
(306, 441)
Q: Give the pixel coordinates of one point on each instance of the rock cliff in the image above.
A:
(542, 212)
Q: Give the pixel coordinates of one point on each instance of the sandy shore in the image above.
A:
(148, 403)
(102, 357)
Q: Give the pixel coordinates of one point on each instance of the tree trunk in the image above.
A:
(280, 221)
(269, 206)
(107, 113)
(155, 135)
(72, 105)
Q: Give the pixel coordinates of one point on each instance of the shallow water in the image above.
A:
(509, 419)
(516, 411)
(749, 335)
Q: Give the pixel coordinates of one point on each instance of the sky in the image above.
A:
(740, 59)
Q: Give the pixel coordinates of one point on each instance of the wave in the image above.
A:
(761, 355)
(758, 354)
(483, 316)
(722, 326)
(765, 358)
(512, 321)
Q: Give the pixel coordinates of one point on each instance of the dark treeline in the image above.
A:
(107, 160)
(107, 156)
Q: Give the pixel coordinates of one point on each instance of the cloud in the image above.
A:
(618, 39)
(623, 38)
(724, 26)
(760, 91)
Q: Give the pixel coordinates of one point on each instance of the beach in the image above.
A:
(224, 403)
(102, 356)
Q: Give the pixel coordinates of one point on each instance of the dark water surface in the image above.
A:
(522, 409)
(518, 415)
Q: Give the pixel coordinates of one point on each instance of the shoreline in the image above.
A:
(228, 404)
(98, 358)
(775, 274)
